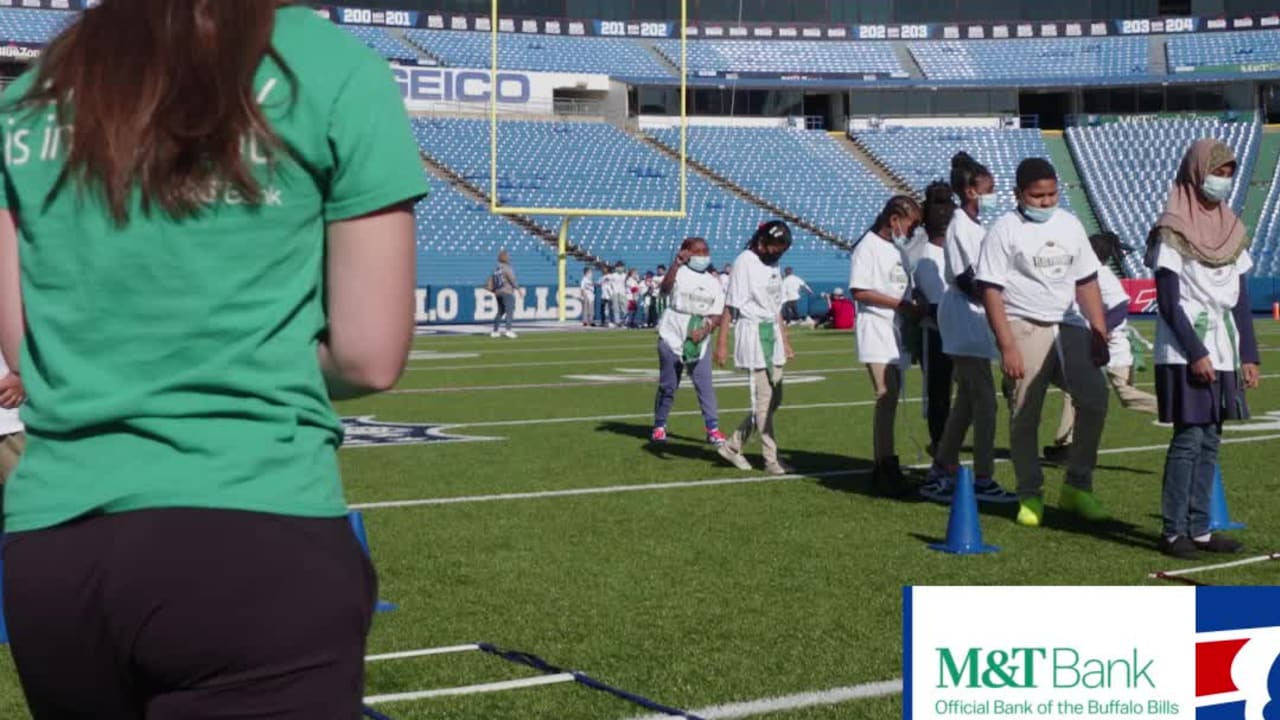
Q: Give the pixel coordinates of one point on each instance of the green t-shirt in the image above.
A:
(173, 363)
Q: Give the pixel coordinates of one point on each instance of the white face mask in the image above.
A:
(987, 202)
(699, 263)
(1216, 188)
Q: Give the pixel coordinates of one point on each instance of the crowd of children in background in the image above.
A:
(931, 284)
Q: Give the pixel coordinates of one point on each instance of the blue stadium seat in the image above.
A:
(1266, 237)
(923, 155)
(1032, 58)
(32, 26)
(383, 43)
(1224, 49)
(786, 56)
(595, 165)
(805, 172)
(1127, 168)
(543, 53)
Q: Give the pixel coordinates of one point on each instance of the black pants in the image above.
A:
(190, 615)
(937, 372)
(791, 311)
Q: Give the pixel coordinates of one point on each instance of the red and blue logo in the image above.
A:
(1237, 653)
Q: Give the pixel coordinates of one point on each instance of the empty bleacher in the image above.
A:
(1224, 49)
(805, 172)
(922, 155)
(35, 27)
(1266, 239)
(543, 53)
(1032, 59)
(781, 57)
(383, 42)
(595, 165)
(1128, 167)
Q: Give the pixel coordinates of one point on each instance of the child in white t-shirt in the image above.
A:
(1206, 349)
(695, 312)
(1120, 370)
(1037, 267)
(881, 289)
(587, 292)
(761, 346)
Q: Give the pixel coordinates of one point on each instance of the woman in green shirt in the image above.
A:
(227, 244)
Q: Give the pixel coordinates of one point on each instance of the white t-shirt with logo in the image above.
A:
(1038, 265)
(1207, 295)
(588, 287)
(755, 291)
(791, 287)
(694, 294)
(965, 330)
(878, 265)
(1114, 295)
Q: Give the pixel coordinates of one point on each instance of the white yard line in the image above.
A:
(621, 380)
(427, 652)
(418, 366)
(472, 689)
(765, 706)
(653, 487)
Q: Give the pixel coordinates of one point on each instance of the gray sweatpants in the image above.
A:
(670, 368)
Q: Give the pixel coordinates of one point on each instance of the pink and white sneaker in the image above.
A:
(659, 435)
(715, 437)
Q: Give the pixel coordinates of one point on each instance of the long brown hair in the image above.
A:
(159, 96)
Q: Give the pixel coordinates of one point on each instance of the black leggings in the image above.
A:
(937, 367)
(190, 615)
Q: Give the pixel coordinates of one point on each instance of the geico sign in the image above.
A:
(438, 84)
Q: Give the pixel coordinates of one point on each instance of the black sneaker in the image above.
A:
(1180, 547)
(1057, 453)
(1220, 544)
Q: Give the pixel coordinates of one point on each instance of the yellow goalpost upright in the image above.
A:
(570, 213)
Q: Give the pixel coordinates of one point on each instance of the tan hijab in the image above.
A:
(1214, 237)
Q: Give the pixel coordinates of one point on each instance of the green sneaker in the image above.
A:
(1085, 504)
(1030, 512)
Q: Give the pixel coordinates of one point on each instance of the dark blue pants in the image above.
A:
(1188, 479)
(671, 368)
(507, 309)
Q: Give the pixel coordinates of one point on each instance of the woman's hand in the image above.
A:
(12, 393)
(1202, 371)
(1252, 378)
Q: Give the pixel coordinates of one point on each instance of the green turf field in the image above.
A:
(701, 594)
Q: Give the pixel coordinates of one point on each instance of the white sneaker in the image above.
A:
(778, 468)
(511, 335)
(495, 334)
(734, 457)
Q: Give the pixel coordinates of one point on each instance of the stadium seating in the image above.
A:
(382, 42)
(786, 56)
(595, 165)
(782, 166)
(923, 155)
(31, 26)
(1266, 237)
(543, 53)
(1032, 59)
(459, 240)
(1224, 49)
(1127, 168)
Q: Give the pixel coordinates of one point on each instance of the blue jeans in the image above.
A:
(671, 367)
(1188, 479)
(507, 308)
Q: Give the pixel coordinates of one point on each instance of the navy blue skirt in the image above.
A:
(1183, 401)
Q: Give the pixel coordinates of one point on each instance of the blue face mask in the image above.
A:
(987, 202)
(699, 263)
(1039, 215)
(1217, 189)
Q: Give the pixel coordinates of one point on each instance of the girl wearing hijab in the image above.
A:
(1206, 350)
(1035, 266)
(695, 309)
(967, 341)
(761, 346)
(241, 189)
(881, 288)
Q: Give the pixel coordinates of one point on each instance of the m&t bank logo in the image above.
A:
(1034, 667)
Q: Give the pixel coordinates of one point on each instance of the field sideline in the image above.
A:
(541, 520)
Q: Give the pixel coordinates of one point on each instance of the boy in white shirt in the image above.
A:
(882, 289)
(1036, 267)
(792, 287)
(587, 291)
(761, 346)
(1106, 246)
(694, 313)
